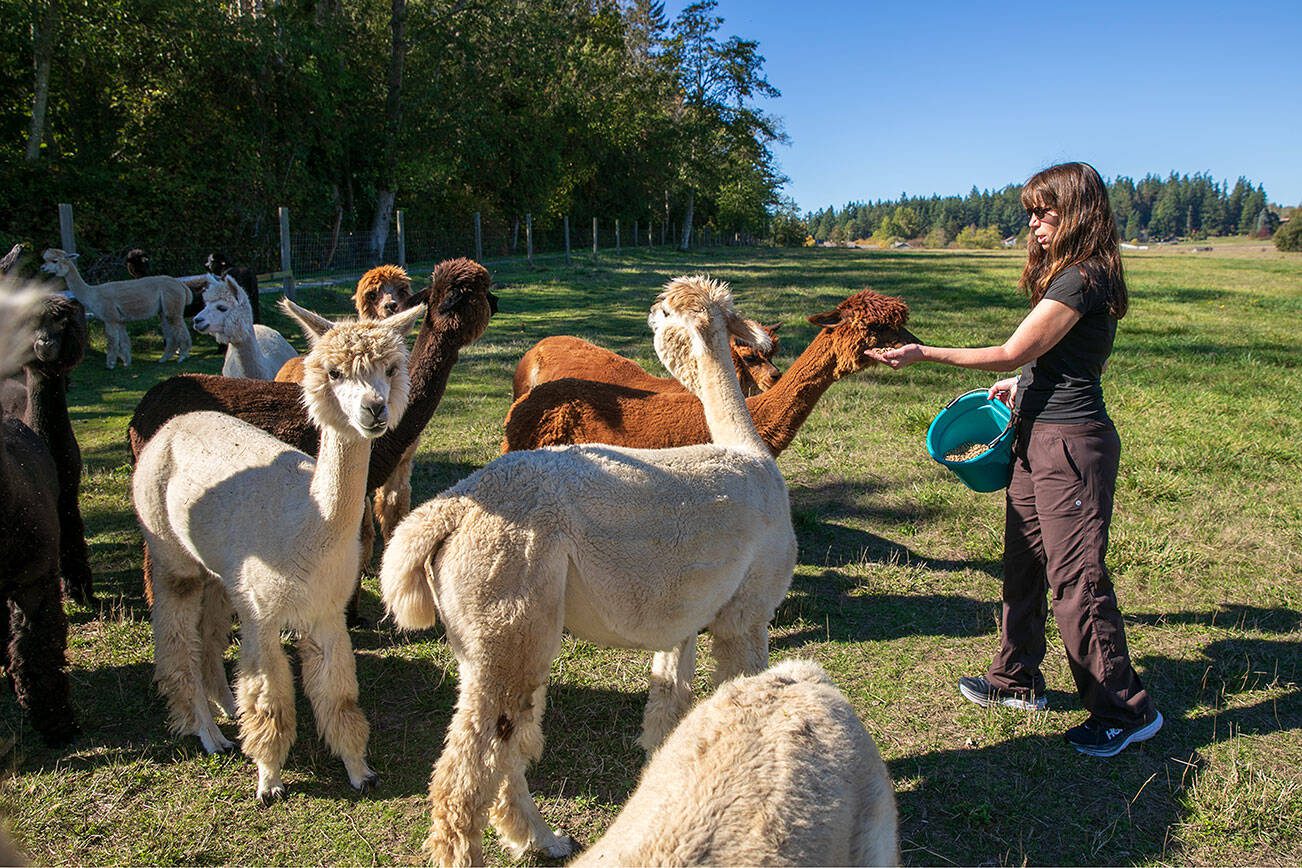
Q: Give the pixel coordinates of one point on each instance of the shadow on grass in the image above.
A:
(1033, 799)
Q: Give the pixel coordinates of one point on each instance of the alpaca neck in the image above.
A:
(244, 344)
(81, 290)
(781, 410)
(435, 352)
(338, 483)
(726, 413)
(47, 406)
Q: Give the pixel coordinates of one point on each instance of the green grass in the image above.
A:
(896, 592)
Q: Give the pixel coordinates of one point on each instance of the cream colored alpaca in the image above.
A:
(229, 512)
(121, 301)
(774, 769)
(633, 548)
(252, 351)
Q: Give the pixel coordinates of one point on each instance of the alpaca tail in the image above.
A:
(406, 574)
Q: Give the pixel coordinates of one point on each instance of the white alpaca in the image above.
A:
(774, 769)
(121, 301)
(252, 351)
(634, 548)
(230, 513)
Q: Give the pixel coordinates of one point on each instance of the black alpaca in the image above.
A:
(37, 634)
(219, 265)
(60, 344)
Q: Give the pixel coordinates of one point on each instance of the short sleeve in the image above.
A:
(1069, 288)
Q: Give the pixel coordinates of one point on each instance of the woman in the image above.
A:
(1065, 456)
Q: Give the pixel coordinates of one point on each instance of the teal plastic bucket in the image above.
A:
(969, 419)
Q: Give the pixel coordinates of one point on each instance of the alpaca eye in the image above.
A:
(334, 374)
(393, 369)
(222, 308)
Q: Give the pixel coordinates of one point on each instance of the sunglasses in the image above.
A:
(1039, 213)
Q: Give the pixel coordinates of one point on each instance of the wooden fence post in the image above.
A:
(479, 239)
(617, 235)
(567, 239)
(67, 237)
(402, 239)
(594, 237)
(528, 236)
(286, 264)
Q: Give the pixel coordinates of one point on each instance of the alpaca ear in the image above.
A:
(828, 320)
(313, 324)
(421, 297)
(234, 287)
(773, 329)
(403, 320)
(750, 333)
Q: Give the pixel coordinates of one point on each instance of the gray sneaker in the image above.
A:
(983, 693)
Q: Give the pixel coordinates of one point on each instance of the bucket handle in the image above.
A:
(1002, 432)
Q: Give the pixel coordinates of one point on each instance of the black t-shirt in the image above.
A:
(1064, 385)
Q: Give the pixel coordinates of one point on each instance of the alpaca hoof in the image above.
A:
(368, 784)
(271, 796)
(562, 847)
(215, 743)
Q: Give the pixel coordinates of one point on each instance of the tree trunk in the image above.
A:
(392, 127)
(689, 213)
(43, 56)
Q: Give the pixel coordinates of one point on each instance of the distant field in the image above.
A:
(896, 592)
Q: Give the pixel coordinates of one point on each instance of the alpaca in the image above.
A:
(215, 497)
(120, 301)
(772, 769)
(9, 263)
(460, 306)
(219, 265)
(253, 351)
(382, 291)
(36, 640)
(631, 548)
(580, 411)
(59, 345)
(137, 263)
(562, 356)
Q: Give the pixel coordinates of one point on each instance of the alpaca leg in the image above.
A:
(265, 697)
(352, 614)
(393, 499)
(122, 340)
(178, 653)
(74, 564)
(670, 695)
(169, 339)
(515, 815)
(183, 340)
(37, 658)
(110, 345)
(744, 653)
(216, 635)
(330, 681)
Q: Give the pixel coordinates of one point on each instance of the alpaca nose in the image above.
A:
(391, 307)
(379, 412)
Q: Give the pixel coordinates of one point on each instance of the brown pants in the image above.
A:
(1059, 506)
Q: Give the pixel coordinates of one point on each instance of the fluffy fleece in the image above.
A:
(772, 769)
(36, 638)
(252, 350)
(121, 301)
(460, 306)
(573, 411)
(624, 547)
(219, 265)
(230, 513)
(563, 356)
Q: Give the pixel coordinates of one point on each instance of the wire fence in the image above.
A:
(308, 255)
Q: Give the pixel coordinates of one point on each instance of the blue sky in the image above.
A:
(934, 97)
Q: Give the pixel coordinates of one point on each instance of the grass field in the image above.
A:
(896, 592)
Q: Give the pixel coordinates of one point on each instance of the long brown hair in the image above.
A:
(1086, 237)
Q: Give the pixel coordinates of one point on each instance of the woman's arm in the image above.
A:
(1043, 327)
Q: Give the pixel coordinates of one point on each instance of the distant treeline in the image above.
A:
(173, 123)
(1152, 208)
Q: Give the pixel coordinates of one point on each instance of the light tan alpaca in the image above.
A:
(230, 513)
(253, 350)
(773, 769)
(382, 291)
(632, 548)
(121, 301)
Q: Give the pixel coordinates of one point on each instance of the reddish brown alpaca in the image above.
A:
(583, 411)
(563, 356)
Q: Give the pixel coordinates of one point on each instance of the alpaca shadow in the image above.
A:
(825, 603)
(988, 804)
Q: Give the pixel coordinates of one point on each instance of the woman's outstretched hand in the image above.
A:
(898, 357)
(1004, 390)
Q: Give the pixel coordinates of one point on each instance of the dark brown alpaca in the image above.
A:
(460, 305)
(37, 631)
(583, 411)
(59, 345)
